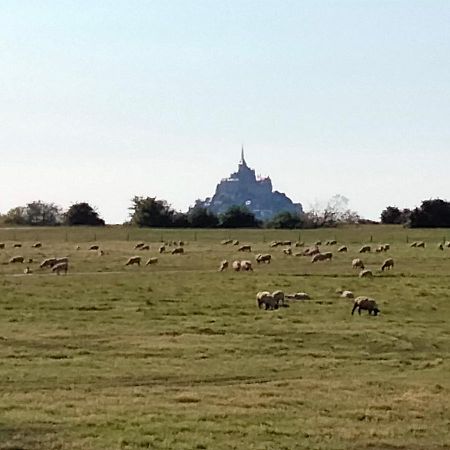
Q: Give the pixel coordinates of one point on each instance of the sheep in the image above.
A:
(181, 243)
(298, 296)
(322, 257)
(247, 266)
(2, 245)
(64, 259)
(440, 246)
(357, 264)
(347, 294)
(177, 251)
(133, 260)
(94, 247)
(152, 260)
(342, 249)
(286, 243)
(245, 248)
(386, 247)
(27, 271)
(223, 265)
(16, 259)
(235, 242)
(37, 245)
(162, 249)
(299, 244)
(77, 247)
(266, 299)
(413, 244)
(18, 245)
(275, 244)
(379, 249)
(317, 243)
(278, 296)
(287, 251)
(236, 265)
(139, 245)
(387, 264)
(447, 244)
(420, 244)
(264, 258)
(226, 241)
(49, 262)
(365, 303)
(30, 260)
(60, 267)
(311, 251)
(365, 249)
(331, 242)
(100, 253)
(366, 273)
(145, 247)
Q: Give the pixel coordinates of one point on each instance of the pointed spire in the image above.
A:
(243, 162)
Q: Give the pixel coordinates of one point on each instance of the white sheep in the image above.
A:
(16, 259)
(178, 251)
(245, 248)
(357, 264)
(342, 249)
(144, 247)
(94, 247)
(60, 267)
(246, 266)
(266, 299)
(133, 260)
(223, 265)
(322, 257)
(37, 245)
(365, 303)
(287, 251)
(387, 264)
(162, 249)
(347, 294)
(226, 241)
(152, 260)
(365, 249)
(278, 296)
(298, 296)
(263, 258)
(236, 265)
(366, 273)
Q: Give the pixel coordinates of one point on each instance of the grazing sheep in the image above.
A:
(60, 267)
(317, 243)
(152, 260)
(287, 251)
(379, 249)
(365, 303)
(342, 249)
(37, 245)
(16, 259)
(162, 249)
(298, 296)
(226, 241)
(420, 244)
(223, 265)
(49, 262)
(357, 264)
(275, 244)
(347, 294)
(366, 273)
(133, 260)
(266, 299)
(2, 245)
(311, 251)
(413, 244)
(100, 253)
(386, 247)
(365, 249)
(235, 242)
(327, 256)
(18, 245)
(247, 266)
(331, 242)
(245, 248)
(178, 251)
(77, 247)
(30, 260)
(27, 271)
(139, 245)
(387, 264)
(278, 296)
(64, 259)
(447, 244)
(181, 243)
(145, 247)
(440, 246)
(236, 265)
(286, 243)
(94, 247)
(264, 258)
(299, 244)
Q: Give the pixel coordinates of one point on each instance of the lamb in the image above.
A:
(223, 265)
(139, 245)
(178, 251)
(60, 267)
(16, 259)
(94, 247)
(275, 244)
(447, 244)
(245, 248)
(266, 299)
(365, 303)
(236, 265)
(386, 247)
(152, 260)
(278, 296)
(247, 266)
(357, 264)
(49, 262)
(37, 245)
(298, 296)
(322, 257)
(264, 258)
(366, 273)
(133, 260)
(387, 264)
(342, 249)
(365, 249)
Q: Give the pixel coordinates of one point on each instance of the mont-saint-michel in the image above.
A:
(244, 188)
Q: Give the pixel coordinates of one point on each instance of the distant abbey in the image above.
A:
(243, 188)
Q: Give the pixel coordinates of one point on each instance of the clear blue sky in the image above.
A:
(104, 100)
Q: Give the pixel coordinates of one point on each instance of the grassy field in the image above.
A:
(177, 356)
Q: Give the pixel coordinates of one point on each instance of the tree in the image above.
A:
(286, 220)
(16, 216)
(393, 215)
(83, 214)
(238, 217)
(149, 212)
(432, 213)
(35, 213)
(200, 217)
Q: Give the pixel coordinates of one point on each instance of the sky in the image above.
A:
(104, 100)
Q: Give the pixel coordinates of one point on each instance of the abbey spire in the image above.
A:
(242, 161)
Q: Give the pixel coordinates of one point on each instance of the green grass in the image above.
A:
(177, 356)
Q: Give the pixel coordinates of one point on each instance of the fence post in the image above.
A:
(407, 239)
(371, 238)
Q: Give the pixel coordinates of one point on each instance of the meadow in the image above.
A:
(177, 355)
